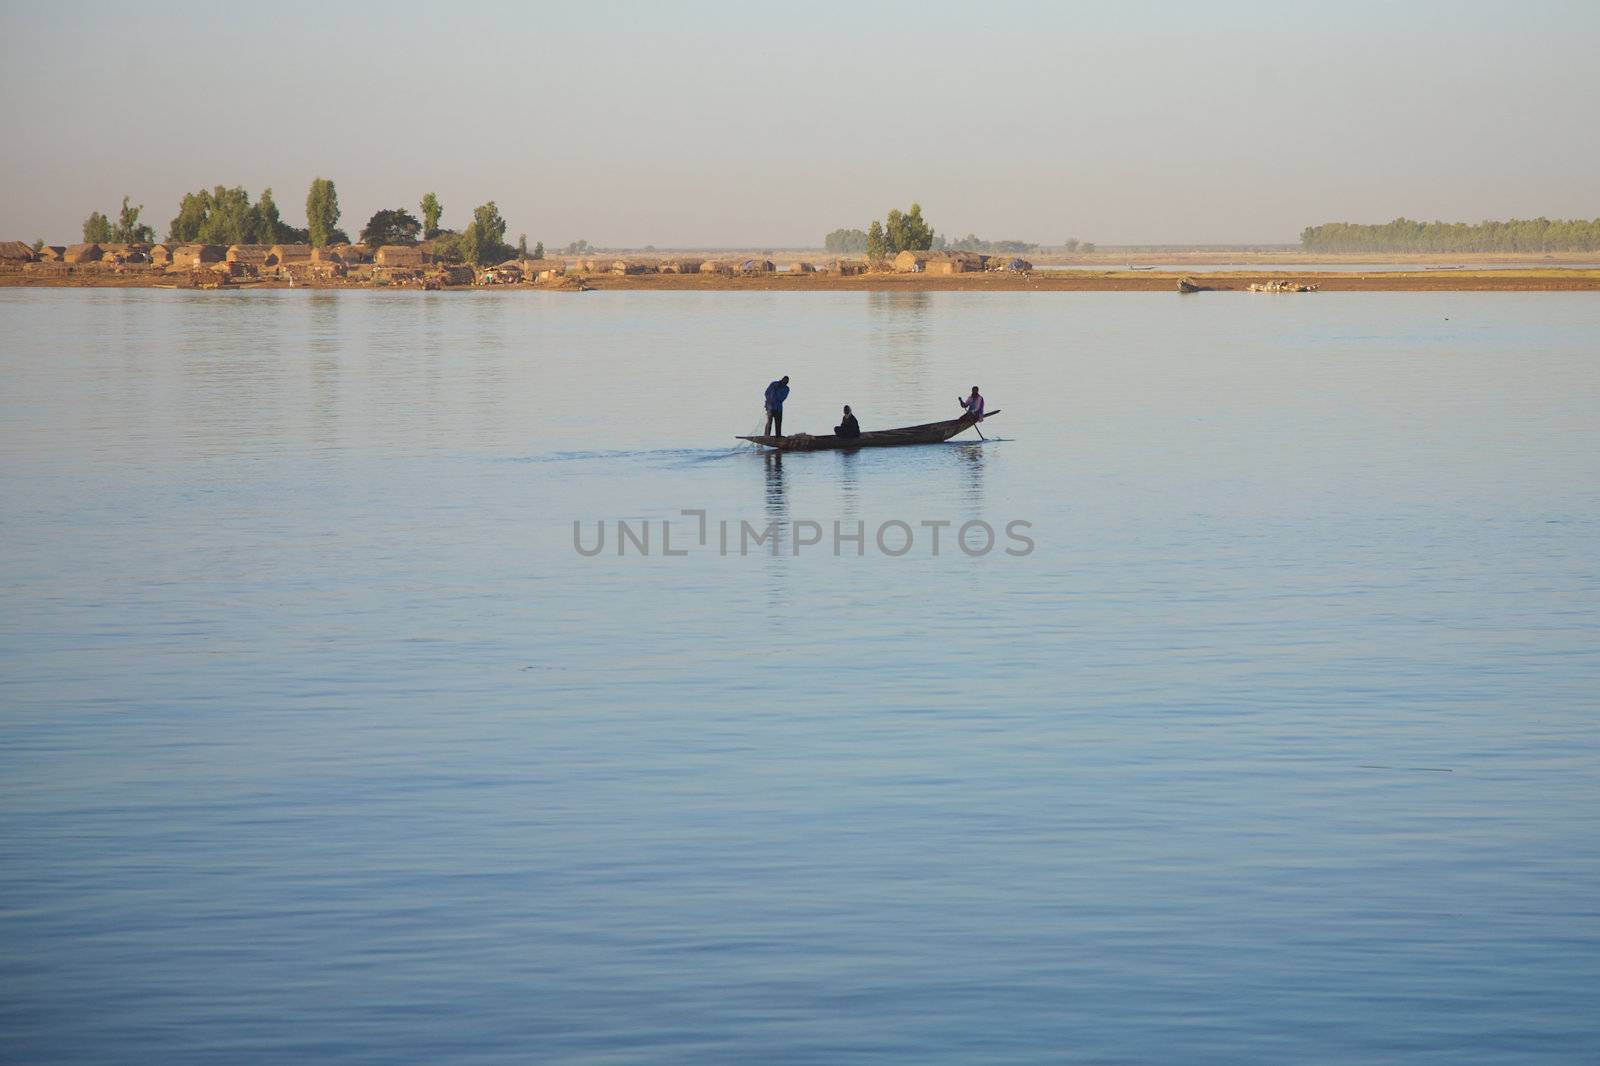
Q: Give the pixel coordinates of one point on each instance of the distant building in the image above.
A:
(280, 256)
(946, 262)
(196, 256)
(82, 253)
(14, 252)
(400, 255)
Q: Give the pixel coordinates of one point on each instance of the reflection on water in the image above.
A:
(901, 323)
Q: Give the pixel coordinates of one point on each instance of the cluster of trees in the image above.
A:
(909, 231)
(899, 232)
(846, 242)
(482, 242)
(226, 216)
(127, 229)
(973, 243)
(1406, 235)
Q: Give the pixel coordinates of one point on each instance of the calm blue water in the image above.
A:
(319, 741)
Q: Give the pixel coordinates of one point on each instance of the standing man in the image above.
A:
(973, 404)
(777, 392)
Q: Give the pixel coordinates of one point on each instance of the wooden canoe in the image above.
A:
(929, 433)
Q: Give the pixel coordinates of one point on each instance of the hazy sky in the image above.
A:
(772, 123)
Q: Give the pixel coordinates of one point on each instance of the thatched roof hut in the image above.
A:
(16, 252)
(250, 255)
(282, 255)
(52, 253)
(680, 265)
(714, 266)
(161, 254)
(946, 262)
(1008, 262)
(82, 253)
(756, 266)
(849, 267)
(400, 255)
(798, 267)
(631, 266)
(347, 254)
(195, 256)
(543, 269)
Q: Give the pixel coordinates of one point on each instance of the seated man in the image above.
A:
(973, 404)
(849, 429)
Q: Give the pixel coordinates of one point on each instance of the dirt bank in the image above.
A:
(1515, 280)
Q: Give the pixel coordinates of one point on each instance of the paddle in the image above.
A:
(975, 428)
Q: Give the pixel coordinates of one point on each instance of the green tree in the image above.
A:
(447, 247)
(845, 242)
(129, 230)
(877, 247)
(230, 219)
(97, 229)
(538, 250)
(397, 226)
(522, 246)
(578, 248)
(192, 211)
(38, 246)
(265, 225)
(1072, 244)
(483, 242)
(431, 210)
(907, 232)
(322, 211)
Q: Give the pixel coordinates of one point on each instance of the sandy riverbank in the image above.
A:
(1466, 280)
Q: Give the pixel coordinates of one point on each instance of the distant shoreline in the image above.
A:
(1554, 279)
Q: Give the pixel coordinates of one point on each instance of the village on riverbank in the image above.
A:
(414, 266)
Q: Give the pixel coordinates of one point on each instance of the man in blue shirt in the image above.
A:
(777, 392)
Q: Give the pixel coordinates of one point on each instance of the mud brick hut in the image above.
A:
(401, 255)
(929, 262)
(81, 253)
(196, 256)
(15, 253)
(282, 256)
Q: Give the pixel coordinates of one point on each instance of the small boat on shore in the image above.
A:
(928, 433)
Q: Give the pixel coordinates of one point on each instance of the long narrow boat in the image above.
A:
(929, 433)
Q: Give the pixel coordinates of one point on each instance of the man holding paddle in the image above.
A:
(973, 404)
(974, 407)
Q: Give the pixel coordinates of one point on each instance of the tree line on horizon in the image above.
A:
(226, 216)
(1407, 235)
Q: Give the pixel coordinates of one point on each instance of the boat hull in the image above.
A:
(928, 433)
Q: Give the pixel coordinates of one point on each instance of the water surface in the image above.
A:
(322, 743)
